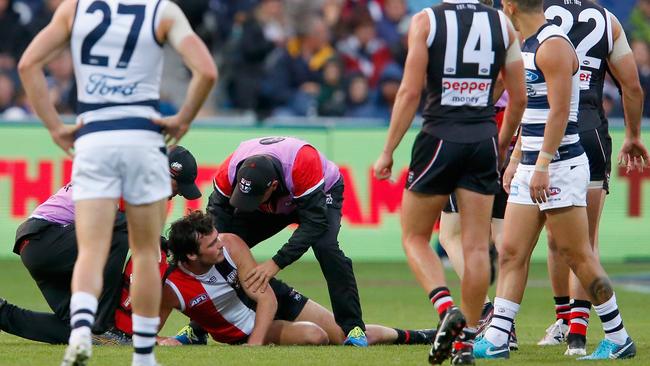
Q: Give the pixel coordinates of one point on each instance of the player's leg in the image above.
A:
(146, 187)
(571, 228)
(597, 145)
(145, 223)
(475, 219)
(284, 332)
(377, 334)
(450, 240)
(558, 274)
(522, 225)
(580, 304)
(94, 225)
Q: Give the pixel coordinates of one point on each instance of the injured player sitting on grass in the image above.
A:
(206, 281)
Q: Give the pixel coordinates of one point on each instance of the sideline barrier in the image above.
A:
(32, 168)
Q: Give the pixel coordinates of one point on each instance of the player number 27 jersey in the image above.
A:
(117, 59)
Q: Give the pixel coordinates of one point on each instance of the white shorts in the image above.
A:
(139, 174)
(568, 186)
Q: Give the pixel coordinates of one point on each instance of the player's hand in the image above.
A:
(383, 166)
(168, 341)
(259, 277)
(539, 187)
(64, 137)
(633, 155)
(508, 175)
(173, 128)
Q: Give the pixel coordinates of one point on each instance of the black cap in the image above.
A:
(182, 167)
(254, 177)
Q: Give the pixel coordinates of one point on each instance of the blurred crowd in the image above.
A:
(277, 58)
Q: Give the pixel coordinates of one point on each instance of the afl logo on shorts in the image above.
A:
(271, 140)
(531, 77)
(245, 185)
(554, 191)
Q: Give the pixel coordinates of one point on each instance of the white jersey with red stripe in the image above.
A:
(215, 300)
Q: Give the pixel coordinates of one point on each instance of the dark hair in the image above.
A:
(529, 5)
(184, 234)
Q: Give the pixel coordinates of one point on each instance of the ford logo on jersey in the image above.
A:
(100, 84)
(531, 77)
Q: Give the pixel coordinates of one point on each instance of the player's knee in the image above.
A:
(315, 335)
(511, 255)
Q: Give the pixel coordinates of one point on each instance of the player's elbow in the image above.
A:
(409, 93)
(209, 73)
(518, 101)
(25, 65)
(632, 90)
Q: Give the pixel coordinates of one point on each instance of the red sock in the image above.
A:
(441, 300)
(562, 309)
(579, 317)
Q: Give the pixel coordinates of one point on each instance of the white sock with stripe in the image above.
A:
(83, 307)
(505, 312)
(612, 321)
(144, 339)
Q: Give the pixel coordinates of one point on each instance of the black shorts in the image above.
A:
(498, 208)
(290, 301)
(598, 147)
(439, 166)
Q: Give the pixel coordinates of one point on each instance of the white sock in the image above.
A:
(83, 307)
(144, 338)
(505, 312)
(612, 321)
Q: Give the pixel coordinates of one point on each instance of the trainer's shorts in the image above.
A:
(598, 147)
(439, 166)
(290, 301)
(568, 186)
(139, 174)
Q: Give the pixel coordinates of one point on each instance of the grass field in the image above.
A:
(389, 295)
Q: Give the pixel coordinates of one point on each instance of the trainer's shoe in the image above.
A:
(576, 345)
(485, 349)
(513, 344)
(145, 364)
(462, 353)
(187, 335)
(608, 350)
(556, 334)
(79, 350)
(356, 337)
(449, 328)
(112, 337)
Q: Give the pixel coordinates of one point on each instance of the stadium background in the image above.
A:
(323, 70)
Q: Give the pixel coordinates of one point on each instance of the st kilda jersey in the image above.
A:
(589, 28)
(467, 49)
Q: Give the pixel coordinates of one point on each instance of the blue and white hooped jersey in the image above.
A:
(537, 111)
(118, 64)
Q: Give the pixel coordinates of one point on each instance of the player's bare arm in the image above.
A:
(633, 154)
(168, 303)
(557, 60)
(514, 82)
(45, 47)
(267, 304)
(409, 93)
(175, 29)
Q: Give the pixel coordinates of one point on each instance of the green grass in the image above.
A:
(389, 296)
